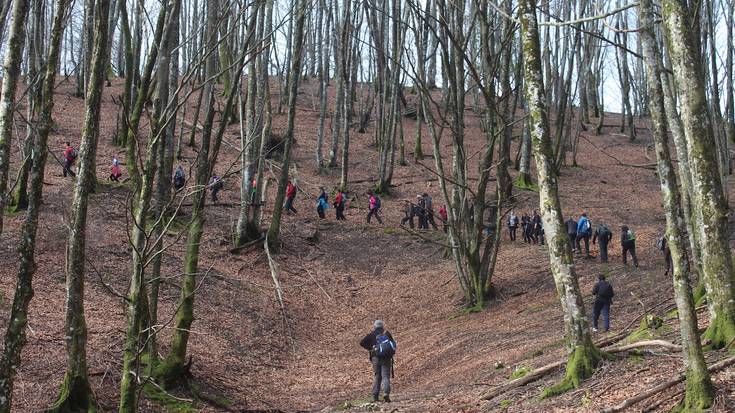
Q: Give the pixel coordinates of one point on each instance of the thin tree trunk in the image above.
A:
(15, 336)
(13, 58)
(293, 84)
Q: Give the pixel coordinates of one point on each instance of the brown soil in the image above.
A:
(241, 348)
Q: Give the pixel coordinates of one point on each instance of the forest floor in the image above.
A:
(245, 354)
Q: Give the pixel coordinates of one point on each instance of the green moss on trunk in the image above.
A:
(720, 332)
(582, 363)
(74, 396)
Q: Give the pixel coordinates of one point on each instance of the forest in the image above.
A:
(206, 204)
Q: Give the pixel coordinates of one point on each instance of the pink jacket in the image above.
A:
(373, 201)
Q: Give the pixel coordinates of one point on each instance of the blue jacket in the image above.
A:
(584, 226)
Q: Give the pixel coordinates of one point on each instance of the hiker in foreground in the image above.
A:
(663, 246)
(571, 226)
(604, 294)
(627, 241)
(381, 347)
(374, 208)
(70, 156)
(604, 235)
(526, 228)
(428, 211)
(409, 212)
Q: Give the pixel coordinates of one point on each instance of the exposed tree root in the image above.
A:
(75, 395)
(665, 385)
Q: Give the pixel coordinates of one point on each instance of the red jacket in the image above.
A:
(290, 191)
(68, 153)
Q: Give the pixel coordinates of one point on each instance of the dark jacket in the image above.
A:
(369, 341)
(571, 226)
(603, 292)
(603, 233)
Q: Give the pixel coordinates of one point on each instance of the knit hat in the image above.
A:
(378, 324)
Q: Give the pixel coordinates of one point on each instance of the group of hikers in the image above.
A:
(579, 232)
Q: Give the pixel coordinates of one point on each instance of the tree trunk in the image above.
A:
(583, 355)
(711, 204)
(699, 392)
(15, 336)
(76, 393)
(13, 58)
(293, 85)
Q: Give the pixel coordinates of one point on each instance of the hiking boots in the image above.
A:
(375, 398)
(386, 398)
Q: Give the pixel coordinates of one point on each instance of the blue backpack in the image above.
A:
(384, 347)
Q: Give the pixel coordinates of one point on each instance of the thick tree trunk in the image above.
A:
(15, 336)
(699, 392)
(583, 355)
(707, 190)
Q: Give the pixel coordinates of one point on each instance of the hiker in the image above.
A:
(115, 172)
(445, 217)
(571, 226)
(339, 205)
(525, 227)
(179, 178)
(290, 196)
(663, 246)
(584, 231)
(604, 235)
(409, 212)
(381, 347)
(253, 191)
(536, 227)
(428, 211)
(627, 241)
(70, 156)
(512, 225)
(215, 184)
(604, 294)
(541, 233)
(374, 208)
(322, 203)
(420, 212)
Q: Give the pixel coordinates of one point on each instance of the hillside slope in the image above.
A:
(335, 286)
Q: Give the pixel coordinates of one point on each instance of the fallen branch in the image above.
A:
(246, 245)
(665, 385)
(651, 166)
(279, 292)
(542, 371)
(318, 285)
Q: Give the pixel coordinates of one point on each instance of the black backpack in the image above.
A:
(384, 347)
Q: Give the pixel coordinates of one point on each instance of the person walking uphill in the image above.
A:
(374, 208)
(290, 196)
(571, 226)
(381, 347)
(322, 203)
(340, 201)
(70, 156)
(512, 225)
(604, 235)
(627, 241)
(428, 211)
(604, 294)
(584, 232)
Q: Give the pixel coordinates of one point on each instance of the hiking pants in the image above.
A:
(430, 220)
(629, 247)
(320, 211)
(669, 261)
(603, 307)
(289, 205)
(215, 191)
(512, 232)
(381, 373)
(603, 249)
(408, 219)
(586, 238)
(374, 213)
(340, 211)
(573, 240)
(67, 166)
